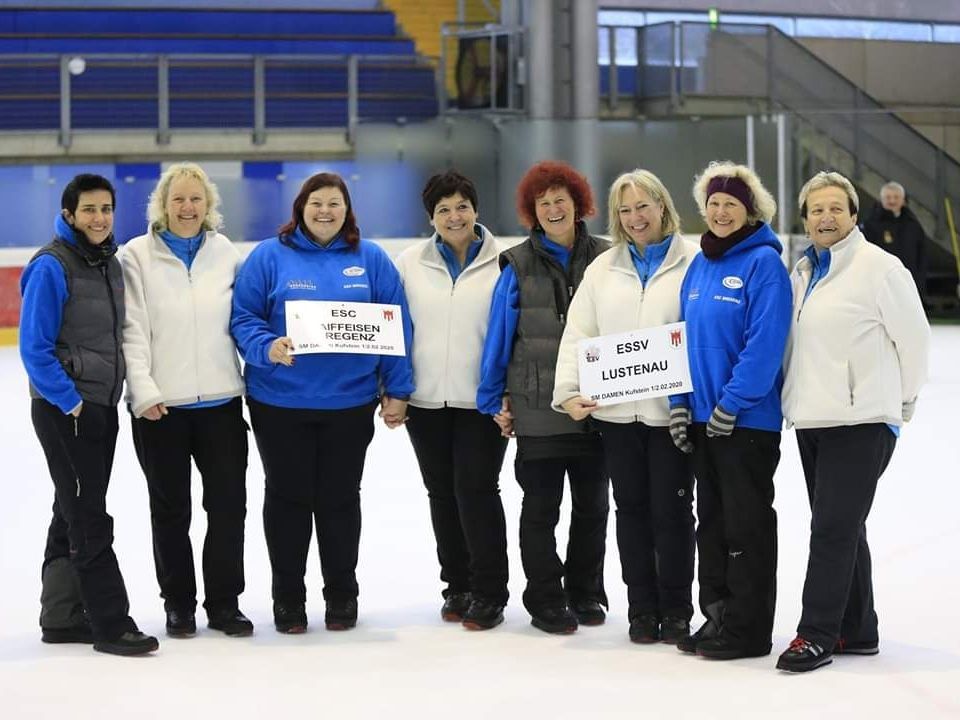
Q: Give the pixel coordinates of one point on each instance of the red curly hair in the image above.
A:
(547, 175)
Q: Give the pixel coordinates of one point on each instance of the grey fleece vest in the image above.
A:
(545, 294)
(91, 332)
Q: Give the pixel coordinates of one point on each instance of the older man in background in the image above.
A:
(894, 227)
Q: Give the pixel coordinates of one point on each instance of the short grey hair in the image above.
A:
(157, 205)
(652, 186)
(765, 207)
(894, 185)
(824, 179)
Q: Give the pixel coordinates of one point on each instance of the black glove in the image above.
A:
(679, 420)
(721, 423)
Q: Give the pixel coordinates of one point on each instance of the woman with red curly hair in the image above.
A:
(527, 316)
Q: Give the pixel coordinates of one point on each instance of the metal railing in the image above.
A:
(170, 93)
(682, 62)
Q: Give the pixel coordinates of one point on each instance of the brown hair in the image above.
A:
(350, 232)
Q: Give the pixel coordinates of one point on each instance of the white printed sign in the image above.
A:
(321, 326)
(635, 365)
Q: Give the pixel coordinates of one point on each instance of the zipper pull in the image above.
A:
(78, 486)
(76, 429)
(570, 291)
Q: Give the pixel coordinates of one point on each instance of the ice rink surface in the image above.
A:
(403, 662)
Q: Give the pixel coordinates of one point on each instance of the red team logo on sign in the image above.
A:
(675, 338)
(388, 315)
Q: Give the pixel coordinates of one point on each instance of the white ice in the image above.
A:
(402, 661)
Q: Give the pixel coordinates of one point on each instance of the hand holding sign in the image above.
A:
(280, 351)
(579, 407)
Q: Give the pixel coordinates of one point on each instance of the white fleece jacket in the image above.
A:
(612, 300)
(176, 336)
(449, 321)
(858, 344)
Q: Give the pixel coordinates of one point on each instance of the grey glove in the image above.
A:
(721, 423)
(679, 420)
(907, 409)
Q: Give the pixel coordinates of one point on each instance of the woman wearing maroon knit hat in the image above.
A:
(736, 301)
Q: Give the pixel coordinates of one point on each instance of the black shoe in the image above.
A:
(558, 620)
(803, 656)
(721, 648)
(483, 614)
(290, 618)
(707, 631)
(674, 629)
(644, 629)
(341, 614)
(855, 648)
(455, 607)
(230, 622)
(130, 643)
(181, 624)
(588, 612)
(81, 633)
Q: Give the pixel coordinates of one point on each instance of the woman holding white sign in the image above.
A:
(530, 302)
(735, 300)
(855, 362)
(637, 285)
(449, 280)
(313, 413)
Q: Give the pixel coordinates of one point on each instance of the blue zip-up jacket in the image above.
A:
(450, 257)
(298, 269)
(43, 287)
(649, 261)
(184, 248)
(501, 331)
(737, 309)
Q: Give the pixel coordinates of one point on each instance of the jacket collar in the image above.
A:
(622, 262)
(431, 256)
(841, 254)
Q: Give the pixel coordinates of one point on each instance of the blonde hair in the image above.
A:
(823, 180)
(650, 184)
(157, 205)
(765, 207)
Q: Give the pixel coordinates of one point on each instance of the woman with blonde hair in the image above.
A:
(637, 285)
(735, 300)
(184, 393)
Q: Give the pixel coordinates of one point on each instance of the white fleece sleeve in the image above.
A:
(142, 391)
(902, 315)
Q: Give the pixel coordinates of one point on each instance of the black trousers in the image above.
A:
(216, 439)
(313, 462)
(737, 531)
(550, 581)
(653, 490)
(79, 453)
(460, 453)
(842, 466)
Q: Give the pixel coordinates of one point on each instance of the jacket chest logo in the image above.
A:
(732, 282)
(354, 271)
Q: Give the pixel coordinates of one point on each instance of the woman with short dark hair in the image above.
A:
(313, 414)
(449, 280)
